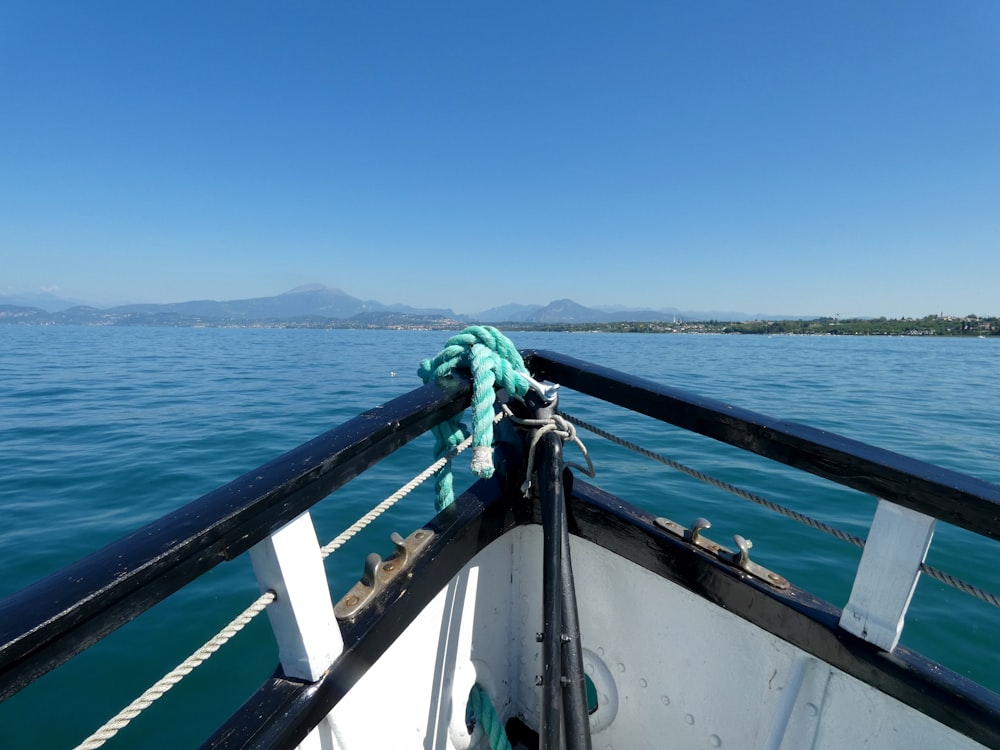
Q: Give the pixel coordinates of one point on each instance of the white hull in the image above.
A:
(671, 669)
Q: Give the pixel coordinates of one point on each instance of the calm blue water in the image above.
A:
(105, 429)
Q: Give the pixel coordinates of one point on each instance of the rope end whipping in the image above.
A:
(482, 461)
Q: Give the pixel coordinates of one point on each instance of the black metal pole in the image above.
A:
(550, 495)
(576, 716)
(564, 699)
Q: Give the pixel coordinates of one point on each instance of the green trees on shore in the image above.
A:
(931, 325)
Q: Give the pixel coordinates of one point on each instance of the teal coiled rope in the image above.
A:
(480, 711)
(493, 359)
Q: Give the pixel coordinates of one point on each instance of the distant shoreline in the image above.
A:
(932, 325)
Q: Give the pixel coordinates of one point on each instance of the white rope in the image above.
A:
(398, 495)
(124, 717)
(160, 688)
(561, 427)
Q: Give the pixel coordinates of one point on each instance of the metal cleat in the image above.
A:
(739, 559)
(378, 573)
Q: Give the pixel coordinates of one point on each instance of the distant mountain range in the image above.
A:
(315, 303)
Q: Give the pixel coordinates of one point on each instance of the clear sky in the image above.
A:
(774, 157)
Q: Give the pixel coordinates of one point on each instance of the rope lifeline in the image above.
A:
(398, 495)
(937, 574)
(174, 676)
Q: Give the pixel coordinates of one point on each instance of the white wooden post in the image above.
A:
(289, 563)
(887, 576)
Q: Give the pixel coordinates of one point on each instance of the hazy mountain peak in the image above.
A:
(320, 301)
(304, 288)
(311, 288)
(43, 300)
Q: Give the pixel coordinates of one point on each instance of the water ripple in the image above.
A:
(102, 430)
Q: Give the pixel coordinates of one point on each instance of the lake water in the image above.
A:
(105, 429)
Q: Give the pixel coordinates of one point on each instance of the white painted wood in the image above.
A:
(887, 576)
(289, 563)
(320, 738)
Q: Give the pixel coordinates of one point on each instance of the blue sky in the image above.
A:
(773, 157)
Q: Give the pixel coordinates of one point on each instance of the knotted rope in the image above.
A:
(561, 427)
(493, 359)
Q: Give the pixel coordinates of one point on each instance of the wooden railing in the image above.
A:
(49, 622)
